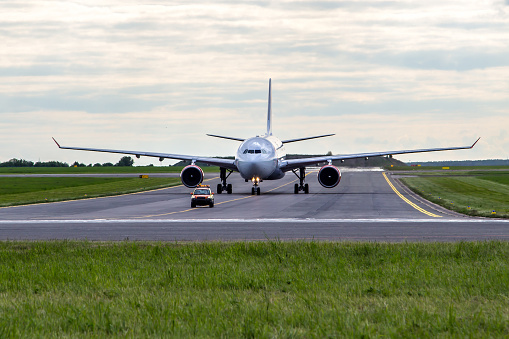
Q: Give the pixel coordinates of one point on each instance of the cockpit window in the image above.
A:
(255, 151)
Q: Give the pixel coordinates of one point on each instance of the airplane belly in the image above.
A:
(256, 169)
(277, 174)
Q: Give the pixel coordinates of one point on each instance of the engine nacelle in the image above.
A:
(329, 176)
(191, 176)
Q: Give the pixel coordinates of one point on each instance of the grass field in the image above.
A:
(96, 170)
(254, 289)
(451, 168)
(19, 191)
(477, 194)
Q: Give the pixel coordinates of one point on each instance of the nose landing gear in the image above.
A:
(301, 186)
(223, 186)
(255, 189)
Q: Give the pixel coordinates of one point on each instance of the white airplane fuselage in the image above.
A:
(259, 157)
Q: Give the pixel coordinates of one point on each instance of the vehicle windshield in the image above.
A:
(202, 191)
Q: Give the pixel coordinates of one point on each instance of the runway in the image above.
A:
(365, 206)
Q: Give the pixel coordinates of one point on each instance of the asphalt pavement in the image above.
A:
(367, 205)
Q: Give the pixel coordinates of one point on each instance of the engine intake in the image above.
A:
(329, 176)
(191, 176)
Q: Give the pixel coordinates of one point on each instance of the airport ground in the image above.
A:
(367, 205)
(402, 267)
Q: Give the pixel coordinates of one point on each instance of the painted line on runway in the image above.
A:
(219, 203)
(104, 197)
(257, 220)
(196, 209)
(420, 209)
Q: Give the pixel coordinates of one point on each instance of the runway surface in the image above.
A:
(365, 206)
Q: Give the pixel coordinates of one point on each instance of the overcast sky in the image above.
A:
(159, 75)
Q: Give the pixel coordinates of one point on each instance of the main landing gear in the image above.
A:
(301, 176)
(223, 186)
(255, 190)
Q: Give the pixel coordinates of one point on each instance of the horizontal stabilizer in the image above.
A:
(307, 138)
(223, 137)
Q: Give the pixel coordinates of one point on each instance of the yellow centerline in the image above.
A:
(408, 201)
(219, 203)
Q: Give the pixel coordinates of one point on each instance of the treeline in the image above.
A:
(124, 161)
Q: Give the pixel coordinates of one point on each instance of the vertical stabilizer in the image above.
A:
(269, 112)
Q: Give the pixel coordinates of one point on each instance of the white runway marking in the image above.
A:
(284, 220)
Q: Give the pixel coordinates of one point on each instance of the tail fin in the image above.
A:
(269, 113)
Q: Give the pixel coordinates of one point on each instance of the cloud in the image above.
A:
(203, 67)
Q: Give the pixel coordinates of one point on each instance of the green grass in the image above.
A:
(102, 170)
(456, 173)
(254, 289)
(451, 168)
(19, 191)
(482, 193)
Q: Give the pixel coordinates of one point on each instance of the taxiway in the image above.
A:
(367, 205)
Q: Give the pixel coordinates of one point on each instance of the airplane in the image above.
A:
(263, 158)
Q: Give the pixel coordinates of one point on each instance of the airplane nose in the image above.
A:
(255, 169)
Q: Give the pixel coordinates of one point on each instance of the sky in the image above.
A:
(158, 75)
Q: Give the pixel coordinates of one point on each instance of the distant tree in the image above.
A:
(77, 164)
(97, 165)
(125, 161)
(51, 164)
(329, 153)
(17, 163)
(107, 164)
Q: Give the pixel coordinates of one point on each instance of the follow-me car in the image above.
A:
(201, 196)
(263, 158)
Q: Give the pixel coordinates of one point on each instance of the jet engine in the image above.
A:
(191, 176)
(329, 176)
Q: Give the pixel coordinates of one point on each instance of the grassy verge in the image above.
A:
(451, 168)
(477, 195)
(19, 191)
(476, 172)
(99, 170)
(260, 289)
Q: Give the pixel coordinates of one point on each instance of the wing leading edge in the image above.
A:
(226, 163)
(288, 165)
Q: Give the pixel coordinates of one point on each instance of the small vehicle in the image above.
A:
(202, 196)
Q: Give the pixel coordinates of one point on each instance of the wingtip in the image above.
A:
(56, 142)
(475, 142)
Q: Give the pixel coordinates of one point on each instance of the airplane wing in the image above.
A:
(288, 165)
(226, 163)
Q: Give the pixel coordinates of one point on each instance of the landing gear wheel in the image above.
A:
(301, 176)
(258, 191)
(252, 191)
(223, 186)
